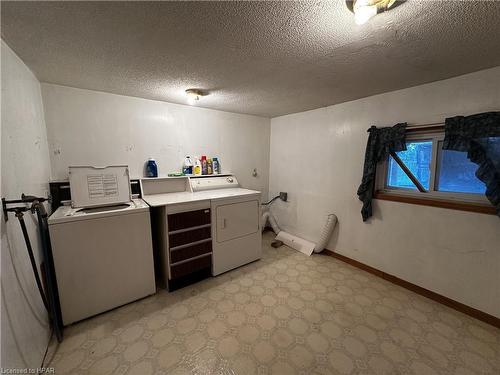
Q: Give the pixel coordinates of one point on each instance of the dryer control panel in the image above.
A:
(213, 182)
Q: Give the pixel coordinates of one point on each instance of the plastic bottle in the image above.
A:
(204, 164)
(197, 167)
(216, 164)
(151, 168)
(210, 166)
(188, 166)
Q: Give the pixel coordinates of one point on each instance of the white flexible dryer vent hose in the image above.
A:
(331, 221)
(266, 216)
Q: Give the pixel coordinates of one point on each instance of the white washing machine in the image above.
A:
(102, 245)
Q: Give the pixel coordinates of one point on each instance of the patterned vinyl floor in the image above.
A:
(285, 314)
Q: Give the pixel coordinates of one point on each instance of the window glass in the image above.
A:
(417, 158)
(457, 173)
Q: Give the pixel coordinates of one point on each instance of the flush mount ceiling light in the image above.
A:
(365, 9)
(194, 95)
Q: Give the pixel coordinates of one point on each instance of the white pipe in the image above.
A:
(266, 216)
(331, 221)
(294, 242)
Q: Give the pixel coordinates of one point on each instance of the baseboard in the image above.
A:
(471, 311)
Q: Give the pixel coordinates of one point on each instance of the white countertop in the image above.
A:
(156, 200)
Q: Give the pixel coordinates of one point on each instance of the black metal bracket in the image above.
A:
(15, 209)
(25, 200)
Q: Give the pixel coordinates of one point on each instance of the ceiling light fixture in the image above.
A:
(194, 95)
(365, 9)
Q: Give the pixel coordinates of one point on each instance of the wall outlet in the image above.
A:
(283, 196)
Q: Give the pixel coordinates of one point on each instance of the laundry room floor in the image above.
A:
(285, 314)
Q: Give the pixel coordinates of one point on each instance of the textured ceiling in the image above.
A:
(262, 58)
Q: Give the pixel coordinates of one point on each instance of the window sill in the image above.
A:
(433, 202)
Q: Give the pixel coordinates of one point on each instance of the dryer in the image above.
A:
(236, 231)
(203, 223)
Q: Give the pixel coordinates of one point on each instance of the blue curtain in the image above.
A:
(479, 136)
(381, 141)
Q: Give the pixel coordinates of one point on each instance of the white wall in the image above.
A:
(25, 169)
(95, 128)
(317, 156)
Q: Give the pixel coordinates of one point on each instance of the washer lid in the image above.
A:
(99, 186)
(67, 214)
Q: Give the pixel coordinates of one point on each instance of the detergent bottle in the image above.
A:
(151, 168)
(197, 167)
(188, 166)
(210, 169)
(216, 165)
(204, 165)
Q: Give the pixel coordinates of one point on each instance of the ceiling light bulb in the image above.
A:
(365, 9)
(193, 99)
(194, 95)
(363, 13)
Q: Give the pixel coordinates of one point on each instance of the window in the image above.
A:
(457, 173)
(427, 172)
(417, 158)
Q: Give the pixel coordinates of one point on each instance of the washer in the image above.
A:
(103, 255)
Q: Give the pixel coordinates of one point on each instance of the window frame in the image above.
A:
(433, 197)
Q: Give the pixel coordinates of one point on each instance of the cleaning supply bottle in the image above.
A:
(210, 167)
(151, 168)
(188, 166)
(197, 167)
(204, 164)
(216, 165)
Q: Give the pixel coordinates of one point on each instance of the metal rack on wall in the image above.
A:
(47, 284)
